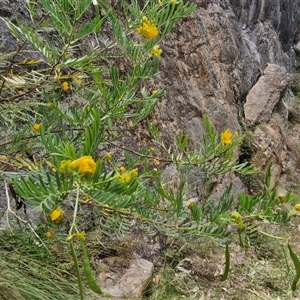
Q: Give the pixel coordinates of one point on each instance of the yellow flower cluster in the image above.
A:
(238, 219)
(156, 51)
(85, 164)
(128, 176)
(147, 29)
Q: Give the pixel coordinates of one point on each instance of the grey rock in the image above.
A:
(131, 283)
(266, 94)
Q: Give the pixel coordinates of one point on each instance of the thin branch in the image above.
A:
(9, 210)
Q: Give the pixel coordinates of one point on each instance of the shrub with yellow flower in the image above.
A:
(226, 137)
(147, 29)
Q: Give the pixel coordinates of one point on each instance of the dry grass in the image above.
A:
(264, 271)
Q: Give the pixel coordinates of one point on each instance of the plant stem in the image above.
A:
(73, 225)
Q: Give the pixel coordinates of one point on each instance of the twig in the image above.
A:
(256, 294)
(9, 210)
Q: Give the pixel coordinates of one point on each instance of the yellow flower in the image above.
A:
(154, 92)
(85, 165)
(128, 177)
(152, 149)
(226, 137)
(156, 51)
(48, 234)
(124, 178)
(191, 203)
(147, 29)
(238, 219)
(155, 161)
(56, 215)
(65, 85)
(122, 169)
(297, 207)
(65, 166)
(3, 157)
(36, 127)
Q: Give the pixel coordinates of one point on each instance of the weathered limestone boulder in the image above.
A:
(265, 94)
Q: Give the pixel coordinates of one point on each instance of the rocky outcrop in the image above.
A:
(214, 58)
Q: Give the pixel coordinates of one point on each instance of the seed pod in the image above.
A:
(88, 270)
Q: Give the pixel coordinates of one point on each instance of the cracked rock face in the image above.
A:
(226, 52)
(213, 59)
